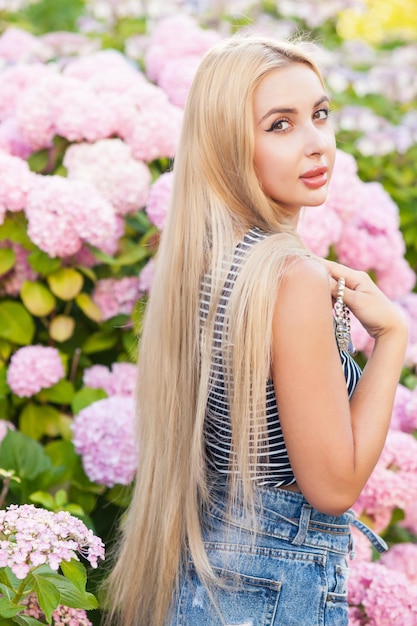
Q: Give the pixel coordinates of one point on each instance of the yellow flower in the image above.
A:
(379, 20)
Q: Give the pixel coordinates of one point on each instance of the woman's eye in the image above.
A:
(322, 114)
(279, 126)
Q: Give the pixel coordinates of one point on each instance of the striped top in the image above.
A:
(272, 467)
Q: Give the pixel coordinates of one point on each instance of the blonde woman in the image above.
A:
(257, 430)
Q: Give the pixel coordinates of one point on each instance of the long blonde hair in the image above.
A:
(216, 198)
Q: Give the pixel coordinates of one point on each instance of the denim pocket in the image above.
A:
(338, 583)
(336, 611)
(239, 600)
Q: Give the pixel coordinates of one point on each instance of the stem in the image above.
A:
(19, 592)
(74, 364)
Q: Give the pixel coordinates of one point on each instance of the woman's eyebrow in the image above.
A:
(290, 110)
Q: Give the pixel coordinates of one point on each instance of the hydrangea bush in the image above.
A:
(92, 95)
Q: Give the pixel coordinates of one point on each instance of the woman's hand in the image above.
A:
(367, 302)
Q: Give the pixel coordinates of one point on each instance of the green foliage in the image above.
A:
(43, 16)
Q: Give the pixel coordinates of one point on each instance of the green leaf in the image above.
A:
(4, 387)
(75, 572)
(37, 298)
(42, 263)
(38, 161)
(6, 349)
(44, 499)
(89, 307)
(23, 455)
(48, 595)
(36, 421)
(7, 260)
(60, 393)
(65, 283)
(16, 324)
(62, 328)
(8, 608)
(85, 397)
(138, 253)
(14, 228)
(24, 620)
(63, 457)
(70, 594)
(100, 341)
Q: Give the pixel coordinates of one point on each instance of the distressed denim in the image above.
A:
(293, 572)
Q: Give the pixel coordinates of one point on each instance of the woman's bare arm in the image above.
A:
(333, 444)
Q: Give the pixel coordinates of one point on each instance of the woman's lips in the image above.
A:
(316, 178)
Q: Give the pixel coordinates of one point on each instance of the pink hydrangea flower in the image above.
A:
(372, 240)
(16, 81)
(345, 188)
(408, 303)
(402, 557)
(11, 140)
(62, 213)
(79, 114)
(165, 44)
(409, 414)
(383, 597)
(16, 180)
(65, 106)
(177, 76)
(401, 414)
(154, 133)
(320, 227)
(159, 199)
(61, 44)
(108, 164)
(119, 381)
(104, 437)
(393, 483)
(17, 45)
(95, 67)
(116, 296)
(33, 368)
(61, 615)
(33, 536)
(396, 280)
(146, 276)
(12, 281)
(33, 112)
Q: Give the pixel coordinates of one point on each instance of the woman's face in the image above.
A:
(294, 139)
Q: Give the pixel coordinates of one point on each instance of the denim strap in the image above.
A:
(303, 525)
(375, 539)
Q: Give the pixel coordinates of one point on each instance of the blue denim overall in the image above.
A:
(292, 572)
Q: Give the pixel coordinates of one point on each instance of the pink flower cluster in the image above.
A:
(33, 368)
(104, 437)
(392, 484)
(146, 276)
(119, 381)
(381, 596)
(61, 615)
(361, 221)
(172, 60)
(159, 199)
(12, 281)
(16, 180)
(109, 165)
(116, 296)
(30, 537)
(62, 214)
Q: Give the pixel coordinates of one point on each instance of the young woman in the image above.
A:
(257, 431)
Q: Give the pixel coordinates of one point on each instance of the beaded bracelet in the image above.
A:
(342, 317)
